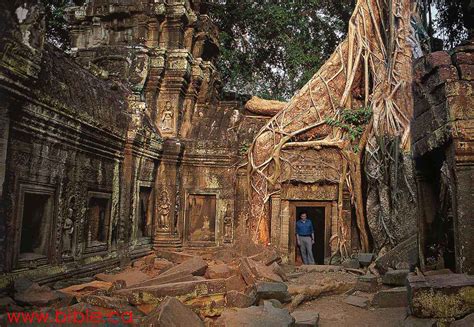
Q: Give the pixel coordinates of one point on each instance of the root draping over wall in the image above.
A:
(371, 68)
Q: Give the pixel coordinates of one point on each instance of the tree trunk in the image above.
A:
(371, 67)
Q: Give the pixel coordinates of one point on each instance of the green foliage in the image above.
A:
(244, 148)
(56, 25)
(452, 21)
(272, 48)
(352, 122)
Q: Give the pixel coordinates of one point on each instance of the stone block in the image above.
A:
(236, 283)
(195, 266)
(267, 257)
(439, 76)
(274, 302)
(437, 59)
(165, 279)
(171, 312)
(405, 252)
(365, 259)
(270, 290)
(395, 277)
(391, 298)
(411, 321)
(357, 301)
(460, 58)
(467, 321)
(320, 268)
(351, 263)
(218, 271)
(367, 283)
(441, 296)
(108, 302)
(131, 277)
(150, 294)
(261, 316)
(305, 318)
(235, 299)
(35, 295)
(467, 72)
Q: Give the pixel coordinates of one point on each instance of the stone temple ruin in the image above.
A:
(129, 146)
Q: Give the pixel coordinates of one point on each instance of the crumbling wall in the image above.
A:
(443, 148)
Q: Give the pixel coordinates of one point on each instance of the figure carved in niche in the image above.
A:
(167, 118)
(228, 225)
(68, 230)
(164, 207)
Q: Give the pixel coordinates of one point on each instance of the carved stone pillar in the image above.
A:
(173, 91)
(167, 191)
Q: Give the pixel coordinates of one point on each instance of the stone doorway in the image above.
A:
(320, 215)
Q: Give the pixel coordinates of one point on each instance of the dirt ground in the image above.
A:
(334, 312)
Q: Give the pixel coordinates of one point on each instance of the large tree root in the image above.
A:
(371, 67)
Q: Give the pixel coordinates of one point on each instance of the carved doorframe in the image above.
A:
(327, 205)
(41, 189)
(218, 219)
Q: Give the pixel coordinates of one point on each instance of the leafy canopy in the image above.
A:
(272, 48)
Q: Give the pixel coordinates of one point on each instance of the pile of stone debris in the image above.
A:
(197, 289)
(173, 289)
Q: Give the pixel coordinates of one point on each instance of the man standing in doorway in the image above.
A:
(305, 238)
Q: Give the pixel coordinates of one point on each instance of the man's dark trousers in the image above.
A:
(306, 248)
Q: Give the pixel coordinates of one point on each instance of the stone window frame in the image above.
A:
(40, 189)
(218, 221)
(146, 239)
(102, 247)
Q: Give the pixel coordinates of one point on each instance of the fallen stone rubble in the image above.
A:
(193, 290)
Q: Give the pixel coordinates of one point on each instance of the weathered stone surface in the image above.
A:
(236, 299)
(236, 283)
(319, 268)
(467, 321)
(441, 296)
(150, 294)
(394, 297)
(367, 283)
(173, 313)
(405, 252)
(261, 316)
(218, 271)
(274, 302)
(195, 266)
(277, 269)
(357, 301)
(411, 321)
(365, 259)
(35, 295)
(351, 263)
(131, 277)
(105, 301)
(305, 318)
(267, 257)
(395, 277)
(167, 278)
(84, 289)
(272, 290)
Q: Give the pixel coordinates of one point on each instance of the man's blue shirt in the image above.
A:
(304, 228)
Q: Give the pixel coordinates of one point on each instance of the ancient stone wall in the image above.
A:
(443, 147)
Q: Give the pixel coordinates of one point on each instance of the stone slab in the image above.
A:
(357, 301)
(411, 321)
(305, 318)
(367, 283)
(167, 278)
(441, 296)
(467, 321)
(270, 290)
(320, 268)
(131, 277)
(236, 299)
(261, 316)
(150, 294)
(365, 259)
(195, 266)
(172, 313)
(391, 298)
(395, 277)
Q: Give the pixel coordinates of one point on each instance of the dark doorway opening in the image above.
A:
(34, 227)
(144, 210)
(317, 217)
